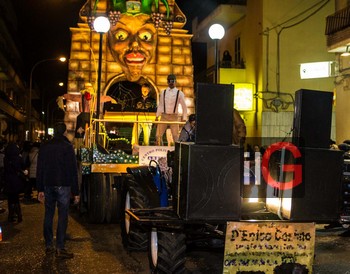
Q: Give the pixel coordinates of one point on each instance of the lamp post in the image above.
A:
(216, 32)
(101, 25)
(61, 59)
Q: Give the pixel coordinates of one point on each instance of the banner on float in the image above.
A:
(269, 247)
(157, 153)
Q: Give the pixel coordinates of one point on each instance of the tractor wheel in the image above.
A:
(134, 237)
(113, 207)
(83, 205)
(166, 252)
(97, 198)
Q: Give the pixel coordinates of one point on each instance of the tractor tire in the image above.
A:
(113, 206)
(167, 252)
(83, 204)
(134, 237)
(97, 198)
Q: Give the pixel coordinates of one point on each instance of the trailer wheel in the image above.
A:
(113, 207)
(97, 198)
(166, 252)
(83, 204)
(134, 237)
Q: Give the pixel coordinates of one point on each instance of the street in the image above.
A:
(98, 249)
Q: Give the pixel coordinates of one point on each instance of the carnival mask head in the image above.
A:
(132, 42)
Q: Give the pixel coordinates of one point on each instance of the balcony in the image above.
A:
(338, 30)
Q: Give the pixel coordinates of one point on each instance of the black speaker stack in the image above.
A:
(312, 118)
(214, 114)
(207, 173)
(318, 198)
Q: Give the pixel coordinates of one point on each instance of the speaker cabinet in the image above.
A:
(318, 197)
(207, 182)
(214, 114)
(312, 118)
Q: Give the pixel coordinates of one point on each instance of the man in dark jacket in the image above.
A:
(57, 179)
(13, 167)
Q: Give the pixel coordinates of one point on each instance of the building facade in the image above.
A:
(269, 41)
(338, 41)
(12, 88)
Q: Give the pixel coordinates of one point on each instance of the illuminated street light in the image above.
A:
(29, 123)
(216, 33)
(101, 25)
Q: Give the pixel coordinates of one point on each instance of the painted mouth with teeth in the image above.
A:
(135, 58)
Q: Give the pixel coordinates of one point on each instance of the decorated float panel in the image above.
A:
(146, 42)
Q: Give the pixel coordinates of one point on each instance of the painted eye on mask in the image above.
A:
(121, 35)
(145, 36)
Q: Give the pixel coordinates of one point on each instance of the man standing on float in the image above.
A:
(167, 110)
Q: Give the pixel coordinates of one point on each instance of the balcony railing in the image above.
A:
(338, 21)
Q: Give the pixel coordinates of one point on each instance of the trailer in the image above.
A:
(210, 190)
(201, 207)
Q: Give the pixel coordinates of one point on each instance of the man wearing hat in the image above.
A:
(167, 110)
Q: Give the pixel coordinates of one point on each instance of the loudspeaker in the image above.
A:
(312, 118)
(318, 197)
(207, 182)
(214, 114)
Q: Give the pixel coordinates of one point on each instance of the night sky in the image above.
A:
(43, 30)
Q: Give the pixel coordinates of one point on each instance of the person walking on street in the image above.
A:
(57, 179)
(33, 159)
(26, 147)
(167, 110)
(14, 180)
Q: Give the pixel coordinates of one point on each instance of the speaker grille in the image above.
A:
(214, 114)
(208, 182)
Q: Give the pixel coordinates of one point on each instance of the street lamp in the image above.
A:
(216, 32)
(101, 25)
(61, 59)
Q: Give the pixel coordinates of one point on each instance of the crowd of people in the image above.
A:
(31, 166)
(17, 175)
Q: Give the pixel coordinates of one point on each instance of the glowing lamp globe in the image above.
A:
(216, 31)
(102, 24)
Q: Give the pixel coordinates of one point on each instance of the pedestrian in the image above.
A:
(14, 173)
(167, 110)
(188, 131)
(57, 179)
(2, 155)
(33, 158)
(26, 147)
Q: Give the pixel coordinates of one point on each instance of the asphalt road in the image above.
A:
(98, 249)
